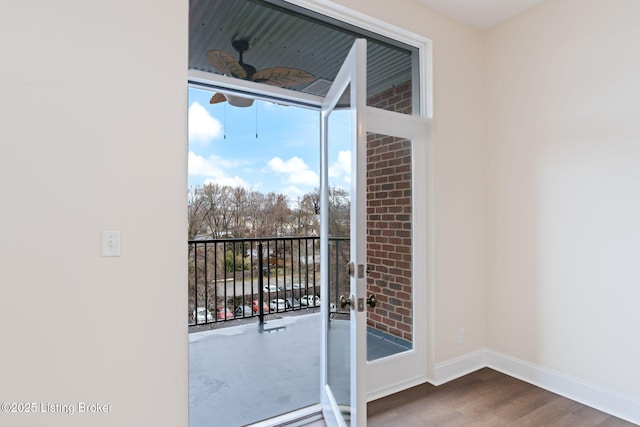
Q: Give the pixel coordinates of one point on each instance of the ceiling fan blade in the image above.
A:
(217, 98)
(283, 76)
(226, 64)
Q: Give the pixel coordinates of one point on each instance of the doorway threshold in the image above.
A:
(296, 418)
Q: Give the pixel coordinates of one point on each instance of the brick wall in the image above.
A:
(397, 99)
(389, 222)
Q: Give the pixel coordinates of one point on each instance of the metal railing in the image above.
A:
(243, 278)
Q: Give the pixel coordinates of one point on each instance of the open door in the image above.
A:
(343, 249)
(398, 250)
(374, 240)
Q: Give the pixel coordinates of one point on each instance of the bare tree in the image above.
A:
(238, 211)
(216, 216)
(305, 217)
(223, 211)
(195, 212)
(339, 212)
(282, 215)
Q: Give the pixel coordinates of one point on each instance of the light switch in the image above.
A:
(110, 243)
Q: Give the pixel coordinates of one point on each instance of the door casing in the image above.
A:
(382, 380)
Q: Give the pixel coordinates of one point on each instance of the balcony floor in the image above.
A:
(239, 375)
(242, 374)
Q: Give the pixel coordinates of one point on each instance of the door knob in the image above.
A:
(344, 301)
(372, 301)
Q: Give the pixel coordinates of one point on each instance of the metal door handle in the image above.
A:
(372, 301)
(344, 301)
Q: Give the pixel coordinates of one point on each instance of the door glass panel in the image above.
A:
(389, 246)
(338, 341)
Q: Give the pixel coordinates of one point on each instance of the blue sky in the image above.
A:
(284, 157)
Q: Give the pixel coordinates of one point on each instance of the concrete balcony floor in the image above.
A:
(243, 374)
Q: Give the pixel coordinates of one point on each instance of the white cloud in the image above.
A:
(293, 192)
(201, 166)
(214, 168)
(235, 181)
(341, 168)
(213, 165)
(203, 127)
(295, 170)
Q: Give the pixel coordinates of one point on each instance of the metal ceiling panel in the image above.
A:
(279, 38)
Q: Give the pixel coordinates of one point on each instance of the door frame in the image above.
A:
(378, 385)
(423, 233)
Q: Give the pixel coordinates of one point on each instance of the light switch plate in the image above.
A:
(110, 243)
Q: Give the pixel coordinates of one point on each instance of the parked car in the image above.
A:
(277, 305)
(202, 315)
(270, 288)
(243, 311)
(310, 300)
(256, 307)
(292, 303)
(224, 314)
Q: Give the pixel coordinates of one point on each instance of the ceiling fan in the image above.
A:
(277, 76)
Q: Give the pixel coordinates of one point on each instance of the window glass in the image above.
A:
(284, 45)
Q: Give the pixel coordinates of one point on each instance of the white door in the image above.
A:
(343, 244)
(379, 250)
(398, 165)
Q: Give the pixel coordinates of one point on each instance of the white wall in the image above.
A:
(90, 140)
(563, 181)
(93, 137)
(536, 230)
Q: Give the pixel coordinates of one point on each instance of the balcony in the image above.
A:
(254, 342)
(244, 373)
(233, 279)
(250, 356)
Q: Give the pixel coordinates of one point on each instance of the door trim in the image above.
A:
(424, 163)
(296, 418)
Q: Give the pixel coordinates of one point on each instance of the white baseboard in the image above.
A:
(609, 401)
(458, 367)
(396, 387)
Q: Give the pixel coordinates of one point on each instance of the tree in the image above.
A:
(282, 215)
(214, 199)
(238, 211)
(305, 218)
(195, 212)
(223, 211)
(339, 212)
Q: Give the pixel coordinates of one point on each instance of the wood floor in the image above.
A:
(483, 398)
